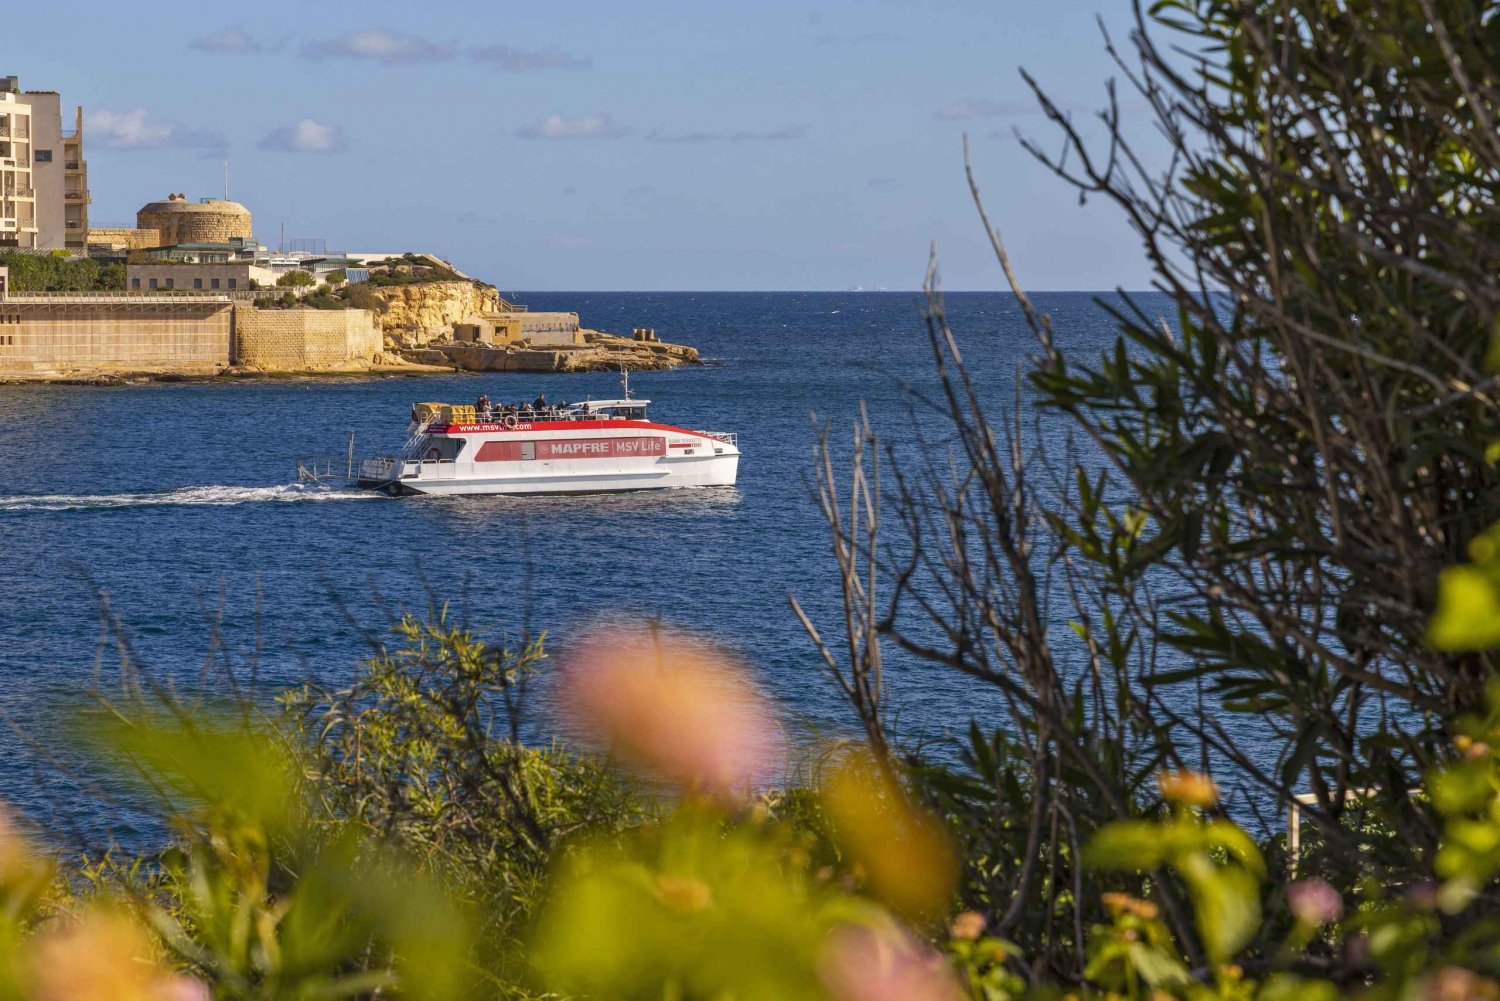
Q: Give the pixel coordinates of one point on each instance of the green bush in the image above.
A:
(296, 279)
(59, 272)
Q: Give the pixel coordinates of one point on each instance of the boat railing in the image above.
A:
(727, 437)
(378, 468)
(429, 469)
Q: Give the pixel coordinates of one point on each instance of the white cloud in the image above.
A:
(306, 136)
(789, 132)
(388, 48)
(981, 107)
(135, 129)
(582, 127)
(512, 60)
(233, 41)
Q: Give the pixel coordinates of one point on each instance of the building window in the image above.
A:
(233, 282)
(215, 282)
(153, 283)
(42, 156)
(197, 283)
(135, 283)
(171, 283)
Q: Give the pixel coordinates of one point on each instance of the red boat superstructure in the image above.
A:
(594, 447)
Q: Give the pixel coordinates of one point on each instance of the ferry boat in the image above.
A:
(598, 446)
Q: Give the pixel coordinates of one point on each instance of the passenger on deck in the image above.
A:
(540, 403)
(482, 407)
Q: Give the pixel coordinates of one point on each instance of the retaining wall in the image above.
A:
(40, 337)
(298, 339)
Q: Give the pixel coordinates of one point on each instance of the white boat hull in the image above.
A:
(710, 471)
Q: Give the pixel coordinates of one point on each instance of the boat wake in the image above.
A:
(212, 496)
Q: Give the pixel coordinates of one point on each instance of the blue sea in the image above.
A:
(173, 509)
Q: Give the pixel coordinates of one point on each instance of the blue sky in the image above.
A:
(593, 145)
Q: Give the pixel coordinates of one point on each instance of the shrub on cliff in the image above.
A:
(361, 296)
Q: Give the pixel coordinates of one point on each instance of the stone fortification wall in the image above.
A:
(134, 239)
(181, 221)
(39, 338)
(284, 340)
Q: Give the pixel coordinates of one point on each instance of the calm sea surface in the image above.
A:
(177, 502)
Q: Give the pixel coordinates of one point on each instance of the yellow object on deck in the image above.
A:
(459, 414)
(424, 411)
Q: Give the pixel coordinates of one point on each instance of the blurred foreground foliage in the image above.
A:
(394, 839)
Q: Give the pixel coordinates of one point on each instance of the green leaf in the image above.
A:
(1131, 845)
(1468, 611)
(1226, 902)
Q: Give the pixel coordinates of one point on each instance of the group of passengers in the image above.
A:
(538, 409)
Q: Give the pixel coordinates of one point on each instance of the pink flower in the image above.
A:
(674, 707)
(861, 963)
(1314, 902)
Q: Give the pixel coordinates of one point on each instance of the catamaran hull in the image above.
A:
(666, 474)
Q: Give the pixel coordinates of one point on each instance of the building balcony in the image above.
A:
(74, 224)
(73, 165)
(76, 196)
(20, 194)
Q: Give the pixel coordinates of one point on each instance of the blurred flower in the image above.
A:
(860, 963)
(683, 894)
(968, 926)
(1423, 895)
(1454, 983)
(1188, 789)
(673, 706)
(902, 853)
(1124, 903)
(1314, 902)
(180, 988)
(101, 957)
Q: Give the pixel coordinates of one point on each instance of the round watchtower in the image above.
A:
(211, 220)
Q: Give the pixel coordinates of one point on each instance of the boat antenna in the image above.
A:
(625, 380)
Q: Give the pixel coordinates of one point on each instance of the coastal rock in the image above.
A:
(600, 352)
(419, 314)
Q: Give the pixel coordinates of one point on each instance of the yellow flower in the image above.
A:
(901, 852)
(1188, 789)
(968, 926)
(1124, 903)
(683, 894)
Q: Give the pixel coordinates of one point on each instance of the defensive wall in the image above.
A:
(287, 340)
(54, 334)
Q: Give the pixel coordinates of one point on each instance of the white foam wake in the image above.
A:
(215, 496)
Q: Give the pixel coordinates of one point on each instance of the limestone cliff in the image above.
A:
(421, 313)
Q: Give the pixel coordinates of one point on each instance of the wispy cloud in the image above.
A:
(982, 107)
(582, 127)
(235, 41)
(856, 38)
(389, 48)
(306, 136)
(513, 60)
(394, 48)
(135, 129)
(779, 135)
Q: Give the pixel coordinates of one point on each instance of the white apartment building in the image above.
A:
(44, 195)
